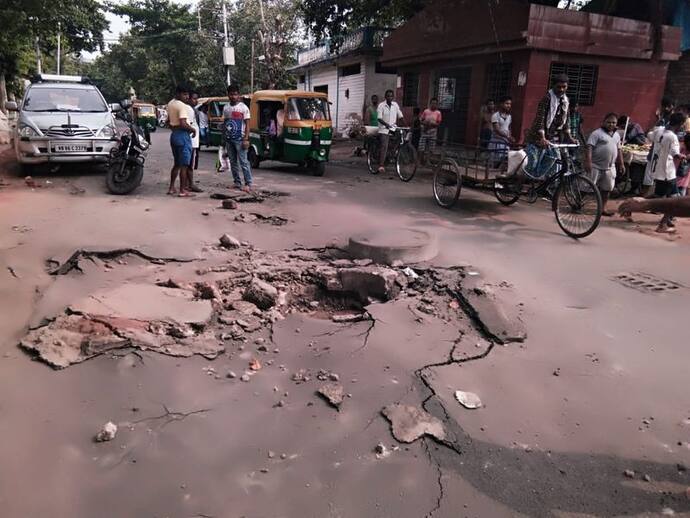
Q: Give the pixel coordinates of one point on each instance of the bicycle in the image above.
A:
(400, 150)
(576, 201)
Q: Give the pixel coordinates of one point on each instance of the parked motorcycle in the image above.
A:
(126, 162)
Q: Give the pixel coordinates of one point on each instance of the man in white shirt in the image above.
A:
(388, 113)
(236, 123)
(665, 160)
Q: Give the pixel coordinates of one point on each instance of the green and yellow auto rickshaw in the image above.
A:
(213, 108)
(291, 126)
(144, 115)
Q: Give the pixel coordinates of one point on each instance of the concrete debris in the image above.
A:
(381, 451)
(230, 375)
(229, 204)
(348, 317)
(207, 291)
(629, 473)
(409, 423)
(332, 393)
(107, 433)
(261, 293)
(245, 307)
(255, 364)
(468, 399)
(227, 241)
(245, 377)
(410, 273)
(300, 376)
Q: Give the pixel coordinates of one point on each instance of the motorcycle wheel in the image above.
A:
(127, 181)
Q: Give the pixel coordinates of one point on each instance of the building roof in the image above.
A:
(367, 40)
(448, 29)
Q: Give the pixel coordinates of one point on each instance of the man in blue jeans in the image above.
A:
(180, 141)
(236, 122)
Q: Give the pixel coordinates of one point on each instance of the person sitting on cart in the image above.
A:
(501, 137)
(551, 124)
(634, 134)
(389, 114)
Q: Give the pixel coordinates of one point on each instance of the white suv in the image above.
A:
(63, 119)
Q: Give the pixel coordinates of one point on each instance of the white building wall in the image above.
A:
(349, 93)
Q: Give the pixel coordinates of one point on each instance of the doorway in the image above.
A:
(452, 88)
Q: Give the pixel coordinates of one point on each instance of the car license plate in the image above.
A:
(70, 148)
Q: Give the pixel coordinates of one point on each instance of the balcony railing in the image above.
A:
(367, 38)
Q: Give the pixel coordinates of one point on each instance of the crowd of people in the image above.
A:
(558, 120)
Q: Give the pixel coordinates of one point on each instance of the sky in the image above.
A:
(118, 26)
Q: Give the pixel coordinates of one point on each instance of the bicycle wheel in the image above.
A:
(373, 152)
(577, 206)
(506, 192)
(406, 162)
(447, 183)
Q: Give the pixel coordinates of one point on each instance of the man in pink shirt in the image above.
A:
(431, 120)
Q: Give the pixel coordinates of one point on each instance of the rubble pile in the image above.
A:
(250, 290)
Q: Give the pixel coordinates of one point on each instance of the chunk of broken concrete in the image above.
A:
(207, 291)
(107, 433)
(468, 399)
(332, 393)
(261, 293)
(227, 241)
(409, 423)
(229, 204)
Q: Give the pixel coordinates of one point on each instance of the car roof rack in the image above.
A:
(55, 78)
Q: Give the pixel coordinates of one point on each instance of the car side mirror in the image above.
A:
(11, 106)
(126, 104)
(115, 107)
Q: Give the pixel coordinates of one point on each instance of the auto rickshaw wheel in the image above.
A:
(254, 159)
(318, 168)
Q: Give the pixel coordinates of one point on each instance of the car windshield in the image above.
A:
(146, 110)
(64, 100)
(308, 108)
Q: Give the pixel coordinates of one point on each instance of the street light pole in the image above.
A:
(58, 49)
(251, 80)
(225, 42)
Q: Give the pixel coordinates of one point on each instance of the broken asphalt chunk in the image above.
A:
(332, 393)
(409, 423)
(468, 399)
(227, 241)
(261, 293)
(107, 433)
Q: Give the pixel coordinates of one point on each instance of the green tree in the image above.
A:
(27, 24)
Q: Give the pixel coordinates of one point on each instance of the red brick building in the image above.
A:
(464, 51)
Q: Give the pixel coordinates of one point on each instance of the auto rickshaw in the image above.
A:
(291, 126)
(144, 115)
(213, 106)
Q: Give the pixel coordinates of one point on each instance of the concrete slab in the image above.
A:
(386, 246)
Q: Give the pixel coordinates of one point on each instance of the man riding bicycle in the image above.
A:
(388, 114)
(551, 124)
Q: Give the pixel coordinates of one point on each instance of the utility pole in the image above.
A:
(39, 67)
(225, 42)
(198, 16)
(251, 80)
(58, 49)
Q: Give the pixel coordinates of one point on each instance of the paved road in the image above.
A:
(597, 387)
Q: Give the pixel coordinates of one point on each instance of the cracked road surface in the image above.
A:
(595, 389)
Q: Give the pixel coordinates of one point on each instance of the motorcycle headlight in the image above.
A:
(27, 131)
(143, 144)
(107, 131)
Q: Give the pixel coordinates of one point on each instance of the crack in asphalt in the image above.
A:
(171, 416)
(441, 493)
(72, 263)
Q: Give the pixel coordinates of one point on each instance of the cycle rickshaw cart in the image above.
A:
(556, 176)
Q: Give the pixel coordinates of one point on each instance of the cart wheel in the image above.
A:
(447, 183)
(506, 192)
(406, 162)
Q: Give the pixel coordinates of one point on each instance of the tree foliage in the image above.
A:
(81, 23)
